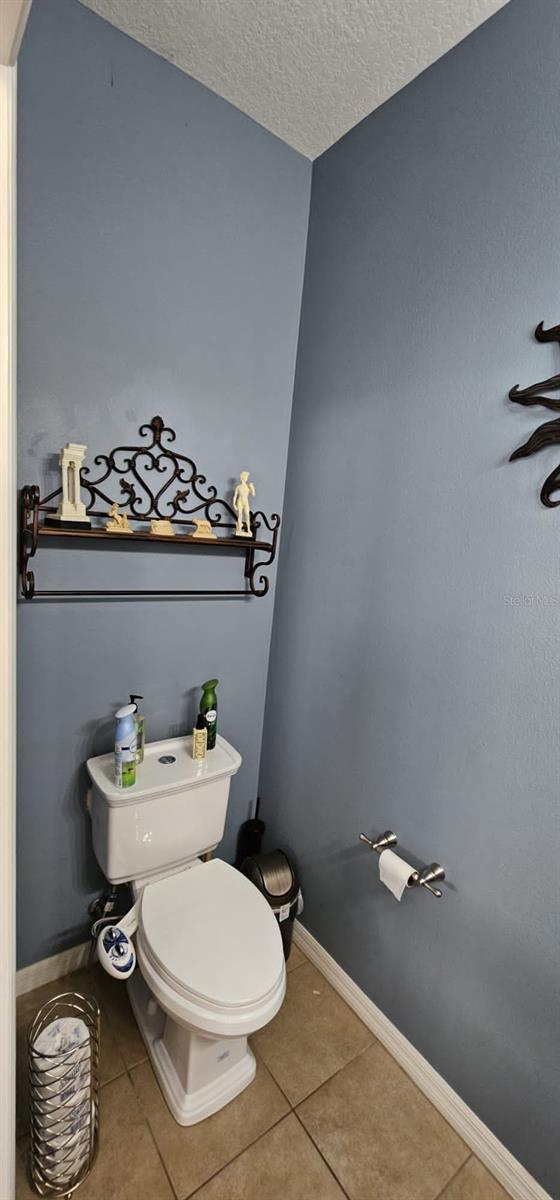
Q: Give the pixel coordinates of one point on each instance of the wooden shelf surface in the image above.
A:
(237, 543)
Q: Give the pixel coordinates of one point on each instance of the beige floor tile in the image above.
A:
(192, 1154)
(111, 1062)
(23, 1187)
(380, 1135)
(115, 1000)
(314, 1034)
(282, 1165)
(474, 1182)
(296, 959)
(128, 1166)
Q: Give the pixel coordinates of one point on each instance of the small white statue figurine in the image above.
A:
(71, 510)
(118, 522)
(241, 495)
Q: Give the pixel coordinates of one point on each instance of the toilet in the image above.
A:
(211, 967)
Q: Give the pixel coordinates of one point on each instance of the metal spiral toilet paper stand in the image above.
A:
(63, 1096)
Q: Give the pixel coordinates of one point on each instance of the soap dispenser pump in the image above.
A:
(139, 728)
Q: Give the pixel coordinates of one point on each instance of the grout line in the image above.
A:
(376, 1041)
(150, 1131)
(441, 1195)
(441, 1115)
(226, 1164)
(295, 1103)
(322, 1156)
(106, 1082)
(260, 1059)
(174, 1191)
(192, 1195)
(275, 1081)
(303, 1100)
(291, 971)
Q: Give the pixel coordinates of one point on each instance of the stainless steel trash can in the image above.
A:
(274, 876)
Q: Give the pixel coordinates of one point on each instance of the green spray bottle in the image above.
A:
(209, 709)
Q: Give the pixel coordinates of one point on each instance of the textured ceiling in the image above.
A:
(308, 70)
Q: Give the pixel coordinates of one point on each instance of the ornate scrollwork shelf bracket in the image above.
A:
(177, 494)
(547, 434)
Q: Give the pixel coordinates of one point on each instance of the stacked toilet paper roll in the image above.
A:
(395, 873)
(61, 1057)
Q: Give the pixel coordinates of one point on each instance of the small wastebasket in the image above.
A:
(274, 876)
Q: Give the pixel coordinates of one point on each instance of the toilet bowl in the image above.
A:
(211, 973)
(210, 959)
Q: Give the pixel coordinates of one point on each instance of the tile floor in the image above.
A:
(329, 1115)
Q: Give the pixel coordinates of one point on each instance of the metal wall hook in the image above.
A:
(426, 878)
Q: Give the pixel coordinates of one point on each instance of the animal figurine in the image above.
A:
(162, 528)
(118, 522)
(203, 529)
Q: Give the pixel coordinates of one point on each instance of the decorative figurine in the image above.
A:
(118, 522)
(241, 495)
(203, 529)
(71, 512)
(161, 528)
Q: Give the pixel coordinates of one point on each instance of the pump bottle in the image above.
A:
(139, 728)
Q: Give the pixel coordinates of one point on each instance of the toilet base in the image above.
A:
(197, 1074)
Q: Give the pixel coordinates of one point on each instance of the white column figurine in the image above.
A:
(241, 495)
(71, 508)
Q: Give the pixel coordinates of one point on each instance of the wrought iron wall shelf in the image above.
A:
(193, 497)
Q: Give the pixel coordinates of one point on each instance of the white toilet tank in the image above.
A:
(175, 812)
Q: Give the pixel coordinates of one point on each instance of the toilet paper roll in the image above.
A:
(62, 1108)
(394, 872)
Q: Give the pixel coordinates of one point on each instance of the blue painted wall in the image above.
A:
(161, 251)
(414, 679)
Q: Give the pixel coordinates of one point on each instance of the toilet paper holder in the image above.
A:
(426, 878)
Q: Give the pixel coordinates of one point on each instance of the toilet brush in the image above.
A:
(250, 837)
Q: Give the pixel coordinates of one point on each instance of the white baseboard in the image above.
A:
(51, 968)
(506, 1169)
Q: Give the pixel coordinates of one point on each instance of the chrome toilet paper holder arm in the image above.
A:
(430, 875)
(385, 842)
(426, 878)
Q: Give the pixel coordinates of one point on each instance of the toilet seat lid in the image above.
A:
(213, 934)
